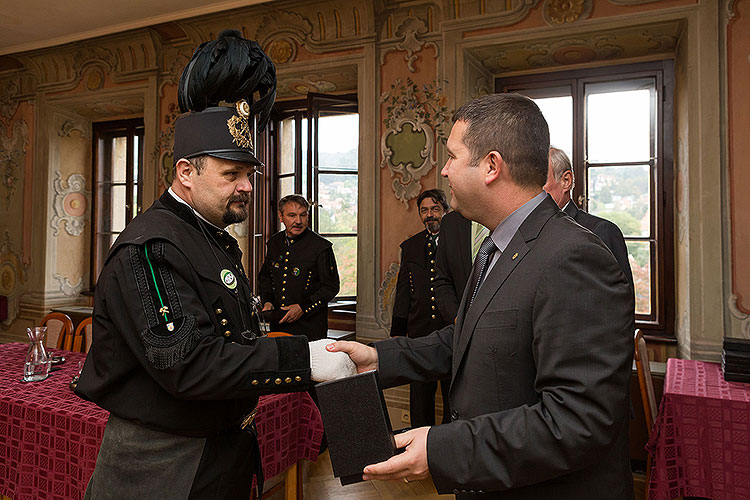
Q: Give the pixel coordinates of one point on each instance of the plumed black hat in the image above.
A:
(230, 69)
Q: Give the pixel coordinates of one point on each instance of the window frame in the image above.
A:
(103, 134)
(660, 323)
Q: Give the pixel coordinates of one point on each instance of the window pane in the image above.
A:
(286, 143)
(286, 186)
(558, 111)
(136, 159)
(622, 195)
(345, 249)
(304, 156)
(639, 255)
(117, 209)
(338, 141)
(119, 158)
(337, 203)
(618, 126)
(136, 202)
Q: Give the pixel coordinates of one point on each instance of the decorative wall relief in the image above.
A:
(68, 289)
(414, 121)
(558, 12)
(743, 317)
(8, 102)
(69, 126)
(282, 50)
(164, 148)
(386, 295)
(12, 274)
(409, 31)
(71, 204)
(12, 157)
(573, 51)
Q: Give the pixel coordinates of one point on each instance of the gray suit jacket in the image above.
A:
(540, 366)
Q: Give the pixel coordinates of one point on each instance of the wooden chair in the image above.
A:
(82, 338)
(648, 396)
(59, 327)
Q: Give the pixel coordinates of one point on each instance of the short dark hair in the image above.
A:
(293, 198)
(199, 162)
(512, 125)
(436, 195)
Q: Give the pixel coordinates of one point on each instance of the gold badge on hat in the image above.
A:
(239, 125)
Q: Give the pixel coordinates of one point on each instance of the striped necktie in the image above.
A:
(478, 234)
(480, 265)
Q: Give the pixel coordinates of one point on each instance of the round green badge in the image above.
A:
(295, 271)
(227, 277)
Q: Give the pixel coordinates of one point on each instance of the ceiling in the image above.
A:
(35, 24)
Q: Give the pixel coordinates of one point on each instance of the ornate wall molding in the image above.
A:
(69, 126)
(729, 13)
(515, 14)
(68, 289)
(71, 204)
(631, 2)
(8, 100)
(573, 51)
(12, 156)
(743, 317)
(557, 12)
(410, 32)
(386, 295)
(12, 274)
(414, 122)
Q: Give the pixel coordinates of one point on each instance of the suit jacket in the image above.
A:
(540, 368)
(414, 308)
(453, 263)
(608, 232)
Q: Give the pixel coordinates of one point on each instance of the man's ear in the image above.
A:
(494, 166)
(280, 219)
(184, 171)
(566, 181)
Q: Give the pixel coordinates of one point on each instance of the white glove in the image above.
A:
(325, 365)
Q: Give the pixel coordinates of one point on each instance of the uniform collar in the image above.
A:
(291, 241)
(177, 205)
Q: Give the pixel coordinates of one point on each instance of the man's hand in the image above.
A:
(365, 357)
(411, 464)
(293, 313)
(267, 307)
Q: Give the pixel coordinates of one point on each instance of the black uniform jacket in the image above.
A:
(540, 375)
(302, 271)
(414, 308)
(609, 233)
(453, 263)
(169, 309)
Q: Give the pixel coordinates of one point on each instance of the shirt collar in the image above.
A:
(504, 232)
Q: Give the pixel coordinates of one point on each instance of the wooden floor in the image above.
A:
(319, 484)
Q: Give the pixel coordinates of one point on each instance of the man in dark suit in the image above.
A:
(415, 312)
(560, 184)
(539, 355)
(452, 264)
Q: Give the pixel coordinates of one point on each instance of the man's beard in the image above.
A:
(432, 225)
(233, 216)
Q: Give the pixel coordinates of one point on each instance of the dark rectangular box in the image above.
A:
(736, 344)
(357, 425)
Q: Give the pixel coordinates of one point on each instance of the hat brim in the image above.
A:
(241, 156)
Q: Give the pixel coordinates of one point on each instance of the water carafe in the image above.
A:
(37, 362)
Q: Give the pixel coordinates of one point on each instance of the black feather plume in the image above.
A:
(229, 69)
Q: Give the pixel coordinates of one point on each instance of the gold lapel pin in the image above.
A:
(514, 256)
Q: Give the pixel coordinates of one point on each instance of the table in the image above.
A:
(49, 437)
(700, 443)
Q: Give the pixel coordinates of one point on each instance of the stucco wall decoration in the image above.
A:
(13, 147)
(409, 31)
(12, 274)
(573, 51)
(386, 295)
(414, 122)
(743, 317)
(8, 102)
(67, 288)
(163, 149)
(557, 12)
(71, 204)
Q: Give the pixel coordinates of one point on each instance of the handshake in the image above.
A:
(344, 359)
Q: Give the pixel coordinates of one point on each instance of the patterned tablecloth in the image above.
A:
(49, 437)
(700, 443)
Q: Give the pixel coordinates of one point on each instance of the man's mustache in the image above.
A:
(432, 219)
(243, 198)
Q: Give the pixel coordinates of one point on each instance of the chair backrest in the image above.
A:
(59, 328)
(82, 338)
(644, 380)
(279, 334)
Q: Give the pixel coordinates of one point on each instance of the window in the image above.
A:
(318, 151)
(117, 181)
(616, 125)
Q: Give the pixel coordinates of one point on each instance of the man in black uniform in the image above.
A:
(299, 276)
(415, 312)
(176, 355)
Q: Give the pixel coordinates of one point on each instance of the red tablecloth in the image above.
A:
(700, 443)
(49, 437)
